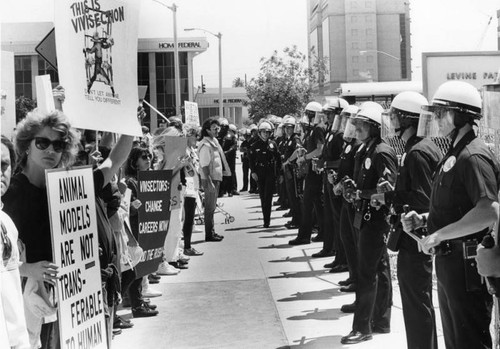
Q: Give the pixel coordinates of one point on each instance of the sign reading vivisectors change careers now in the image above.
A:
(154, 217)
(96, 43)
(191, 112)
(75, 250)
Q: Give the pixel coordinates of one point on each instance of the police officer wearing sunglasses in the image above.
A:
(264, 163)
(463, 208)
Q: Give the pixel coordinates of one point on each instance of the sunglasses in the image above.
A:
(43, 143)
(146, 157)
(7, 245)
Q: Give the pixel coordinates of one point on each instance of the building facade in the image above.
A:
(361, 40)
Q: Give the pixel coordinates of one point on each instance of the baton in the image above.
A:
(489, 242)
(406, 210)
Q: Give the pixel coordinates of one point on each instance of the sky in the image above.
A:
(252, 29)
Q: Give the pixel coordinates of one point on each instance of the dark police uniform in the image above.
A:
(264, 161)
(229, 146)
(280, 186)
(348, 234)
(374, 290)
(467, 173)
(313, 184)
(244, 162)
(330, 159)
(253, 184)
(289, 145)
(413, 188)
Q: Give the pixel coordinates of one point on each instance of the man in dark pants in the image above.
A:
(329, 162)
(374, 289)
(254, 136)
(312, 199)
(463, 208)
(229, 146)
(264, 161)
(413, 188)
(290, 144)
(244, 148)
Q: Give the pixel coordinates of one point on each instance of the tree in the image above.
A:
(23, 106)
(283, 86)
(238, 82)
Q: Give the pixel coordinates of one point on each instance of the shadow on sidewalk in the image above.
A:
(299, 274)
(293, 259)
(327, 293)
(275, 236)
(315, 343)
(275, 246)
(327, 314)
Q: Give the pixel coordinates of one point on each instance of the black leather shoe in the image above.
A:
(345, 282)
(282, 208)
(234, 192)
(178, 265)
(287, 215)
(381, 329)
(266, 225)
(154, 276)
(291, 226)
(317, 238)
(348, 288)
(153, 281)
(219, 236)
(143, 311)
(213, 238)
(149, 305)
(121, 323)
(355, 337)
(322, 254)
(348, 308)
(298, 241)
(339, 268)
(330, 265)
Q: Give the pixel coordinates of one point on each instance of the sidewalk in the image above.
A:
(253, 290)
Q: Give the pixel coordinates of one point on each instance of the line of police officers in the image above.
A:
(365, 198)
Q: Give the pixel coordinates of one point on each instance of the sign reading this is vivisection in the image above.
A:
(154, 217)
(75, 250)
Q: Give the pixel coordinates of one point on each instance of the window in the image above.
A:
(369, 32)
(369, 59)
(369, 45)
(355, 72)
(354, 4)
(368, 18)
(355, 59)
(355, 45)
(368, 4)
(354, 19)
(354, 32)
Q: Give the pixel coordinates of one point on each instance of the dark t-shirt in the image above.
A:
(28, 207)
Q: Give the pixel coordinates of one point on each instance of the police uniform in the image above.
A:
(229, 146)
(244, 163)
(280, 186)
(264, 161)
(330, 159)
(467, 173)
(374, 288)
(289, 146)
(348, 234)
(413, 188)
(313, 198)
(253, 184)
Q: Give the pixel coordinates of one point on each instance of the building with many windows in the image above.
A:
(361, 40)
(155, 70)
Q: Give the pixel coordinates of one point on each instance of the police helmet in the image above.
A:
(369, 115)
(265, 125)
(289, 121)
(460, 96)
(335, 105)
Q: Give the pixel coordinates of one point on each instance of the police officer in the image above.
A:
(312, 199)
(254, 137)
(463, 206)
(229, 146)
(413, 188)
(244, 148)
(329, 161)
(279, 137)
(290, 144)
(264, 162)
(374, 290)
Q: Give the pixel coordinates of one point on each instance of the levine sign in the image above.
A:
(477, 68)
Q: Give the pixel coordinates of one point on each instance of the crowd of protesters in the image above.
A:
(45, 141)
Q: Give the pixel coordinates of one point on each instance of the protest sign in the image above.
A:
(96, 45)
(75, 250)
(154, 217)
(45, 100)
(191, 112)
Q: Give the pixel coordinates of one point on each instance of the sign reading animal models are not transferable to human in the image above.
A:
(154, 217)
(75, 250)
(96, 43)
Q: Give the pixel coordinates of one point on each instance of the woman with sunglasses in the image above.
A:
(139, 159)
(43, 141)
(11, 298)
(264, 163)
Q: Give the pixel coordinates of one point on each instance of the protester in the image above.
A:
(139, 159)
(12, 317)
(213, 166)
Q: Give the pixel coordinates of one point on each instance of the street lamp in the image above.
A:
(177, 76)
(218, 36)
(381, 52)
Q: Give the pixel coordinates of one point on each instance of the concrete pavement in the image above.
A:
(253, 290)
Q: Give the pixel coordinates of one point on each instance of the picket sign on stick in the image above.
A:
(96, 44)
(157, 111)
(45, 101)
